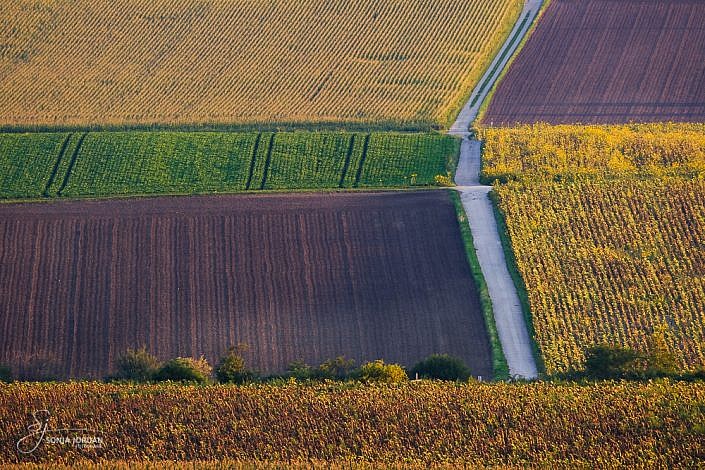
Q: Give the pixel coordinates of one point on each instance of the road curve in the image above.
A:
(511, 325)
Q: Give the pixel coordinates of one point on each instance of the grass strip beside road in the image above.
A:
(499, 362)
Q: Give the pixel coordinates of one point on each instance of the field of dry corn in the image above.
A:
(395, 63)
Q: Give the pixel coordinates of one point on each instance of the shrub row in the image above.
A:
(140, 366)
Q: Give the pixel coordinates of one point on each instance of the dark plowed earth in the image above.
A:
(296, 277)
(608, 61)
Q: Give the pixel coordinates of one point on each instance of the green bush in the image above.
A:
(378, 371)
(136, 365)
(339, 368)
(300, 371)
(441, 367)
(232, 368)
(612, 362)
(185, 369)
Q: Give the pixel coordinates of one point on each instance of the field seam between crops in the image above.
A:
(267, 162)
(506, 305)
(253, 162)
(346, 166)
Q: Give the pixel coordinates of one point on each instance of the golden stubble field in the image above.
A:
(140, 62)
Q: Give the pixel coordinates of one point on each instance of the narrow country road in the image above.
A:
(472, 107)
(511, 325)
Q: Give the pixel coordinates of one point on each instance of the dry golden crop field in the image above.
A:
(611, 261)
(435, 425)
(394, 63)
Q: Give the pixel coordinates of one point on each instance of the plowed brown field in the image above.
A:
(297, 277)
(607, 61)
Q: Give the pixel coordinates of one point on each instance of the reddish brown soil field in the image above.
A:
(608, 61)
(296, 277)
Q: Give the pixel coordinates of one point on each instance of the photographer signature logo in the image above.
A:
(39, 432)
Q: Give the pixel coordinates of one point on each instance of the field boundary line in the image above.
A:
(499, 361)
(57, 164)
(72, 164)
(484, 84)
(517, 278)
(509, 316)
(468, 113)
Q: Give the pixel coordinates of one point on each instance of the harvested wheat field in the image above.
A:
(607, 61)
(296, 277)
(173, 62)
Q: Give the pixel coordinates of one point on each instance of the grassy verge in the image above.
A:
(499, 362)
(517, 278)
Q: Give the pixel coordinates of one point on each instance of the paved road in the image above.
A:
(469, 112)
(511, 326)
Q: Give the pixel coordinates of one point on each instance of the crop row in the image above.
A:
(114, 163)
(400, 64)
(611, 262)
(658, 424)
(542, 152)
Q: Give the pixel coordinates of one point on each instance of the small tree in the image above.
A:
(299, 370)
(185, 369)
(441, 367)
(660, 361)
(612, 362)
(336, 369)
(232, 369)
(136, 365)
(378, 371)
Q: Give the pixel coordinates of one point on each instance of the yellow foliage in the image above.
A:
(542, 151)
(611, 261)
(399, 426)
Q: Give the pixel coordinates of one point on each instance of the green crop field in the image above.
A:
(27, 163)
(122, 163)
